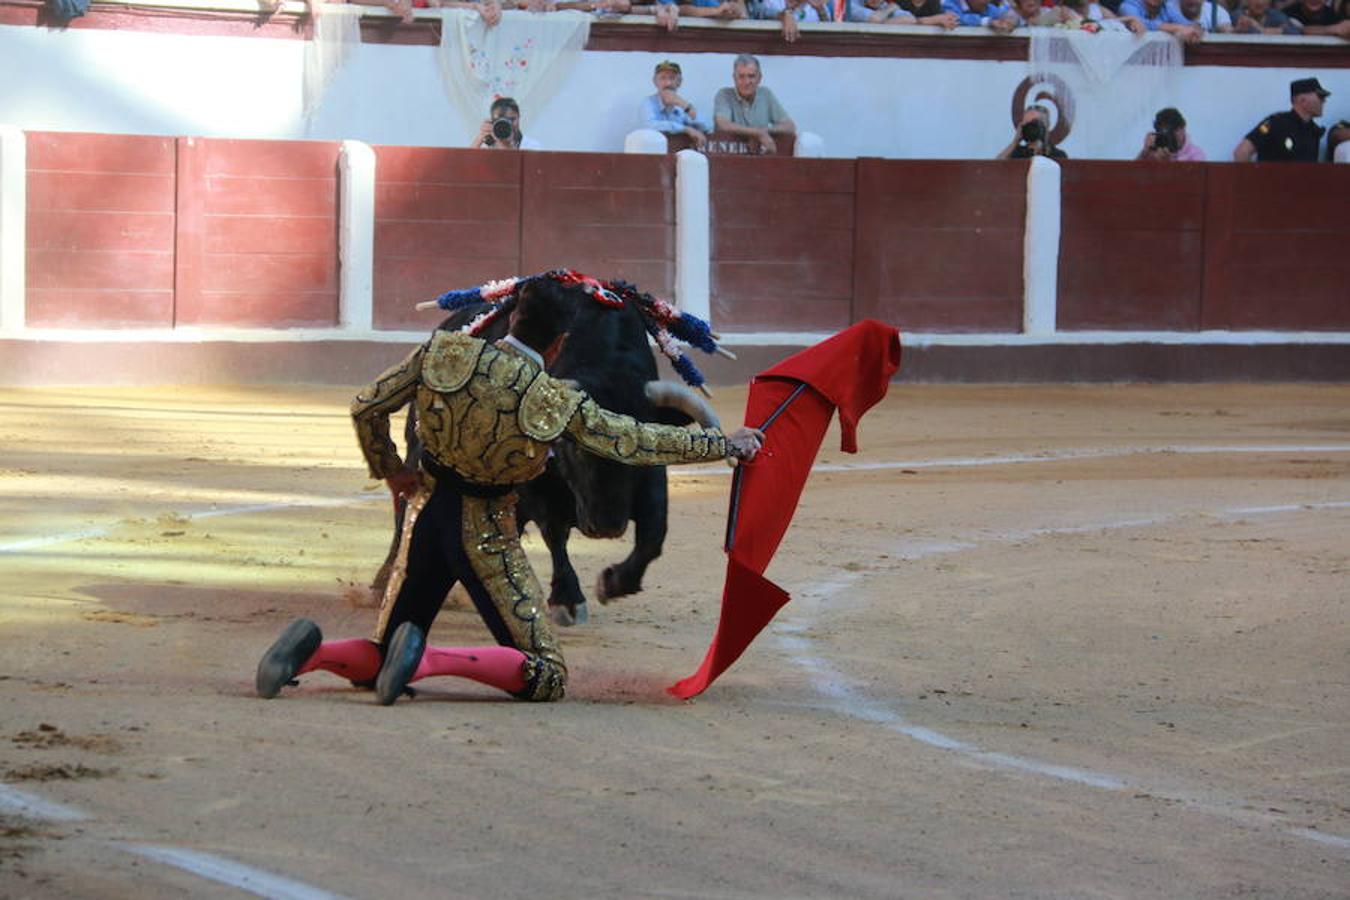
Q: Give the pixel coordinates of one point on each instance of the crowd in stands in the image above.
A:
(1190, 20)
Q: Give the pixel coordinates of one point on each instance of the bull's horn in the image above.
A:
(677, 396)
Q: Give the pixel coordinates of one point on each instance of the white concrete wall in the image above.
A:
(136, 83)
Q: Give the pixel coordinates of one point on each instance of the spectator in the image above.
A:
(667, 14)
(669, 113)
(1159, 15)
(490, 10)
(792, 12)
(1259, 17)
(975, 13)
(879, 12)
(928, 12)
(1168, 140)
(727, 10)
(1032, 137)
(1024, 14)
(1317, 17)
(1083, 13)
(1290, 136)
(751, 111)
(598, 7)
(501, 129)
(1206, 14)
(1339, 135)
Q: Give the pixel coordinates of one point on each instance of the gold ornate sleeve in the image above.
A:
(371, 409)
(626, 440)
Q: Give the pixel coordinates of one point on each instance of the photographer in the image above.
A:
(1032, 137)
(501, 130)
(1167, 142)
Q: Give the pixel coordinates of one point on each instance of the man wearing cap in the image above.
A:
(666, 111)
(1290, 136)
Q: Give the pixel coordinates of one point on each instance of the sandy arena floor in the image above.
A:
(1044, 642)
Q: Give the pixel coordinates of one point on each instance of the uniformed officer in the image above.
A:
(1290, 136)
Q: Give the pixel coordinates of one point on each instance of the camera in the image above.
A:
(503, 130)
(1165, 139)
(1033, 132)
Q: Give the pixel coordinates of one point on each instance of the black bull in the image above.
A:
(607, 355)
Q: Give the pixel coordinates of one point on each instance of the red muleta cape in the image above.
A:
(849, 372)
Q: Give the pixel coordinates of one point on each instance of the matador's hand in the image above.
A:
(404, 483)
(744, 443)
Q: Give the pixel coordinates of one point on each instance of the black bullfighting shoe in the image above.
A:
(400, 662)
(284, 658)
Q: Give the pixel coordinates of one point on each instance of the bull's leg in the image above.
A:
(566, 602)
(649, 534)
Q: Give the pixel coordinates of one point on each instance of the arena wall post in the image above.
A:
(1040, 248)
(13, 225)
(693, 230)
(356, 237)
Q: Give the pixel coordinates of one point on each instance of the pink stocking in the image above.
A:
(499, 667)
(355, 659)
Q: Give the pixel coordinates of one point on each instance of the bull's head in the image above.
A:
(603, 490)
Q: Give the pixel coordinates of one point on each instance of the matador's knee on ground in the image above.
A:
(545, 680)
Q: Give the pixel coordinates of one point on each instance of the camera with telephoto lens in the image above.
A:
(1165, 139)
(503, 130)
(1033, 132)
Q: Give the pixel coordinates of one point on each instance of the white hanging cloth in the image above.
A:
(1115, 81)
(337, 32)
(525, 57)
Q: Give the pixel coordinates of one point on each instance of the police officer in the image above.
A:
(1290, 136)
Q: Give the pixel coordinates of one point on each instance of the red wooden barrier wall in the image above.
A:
(444, 220)
(939, 244)
(1132, 245)
(612, 216)
(1277, 248)
(257, 233)
(100, 230)
(782, 243)
(128, 231)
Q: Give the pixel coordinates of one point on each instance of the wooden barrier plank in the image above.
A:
(263, 223)
(1132, 246)
(1276, 260)
(66, 308)
(445, 219)
(782, 243)
(106, 192)
(100, 154)
(939, 244)
(609, 215)
(72, 231)
(431, 202)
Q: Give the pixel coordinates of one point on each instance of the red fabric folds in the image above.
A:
(851, 372)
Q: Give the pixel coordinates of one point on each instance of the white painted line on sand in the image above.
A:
(30, 806)
(205, 865)
(837, 688)
(228, 872)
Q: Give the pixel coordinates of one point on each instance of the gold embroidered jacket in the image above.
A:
(489, 413)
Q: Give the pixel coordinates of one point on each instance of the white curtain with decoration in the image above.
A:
(1107, 84)
(337, 33)
(525, 57)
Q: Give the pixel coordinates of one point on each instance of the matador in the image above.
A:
(486, 414)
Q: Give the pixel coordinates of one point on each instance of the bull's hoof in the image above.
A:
(608, 587)
(565, 616)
